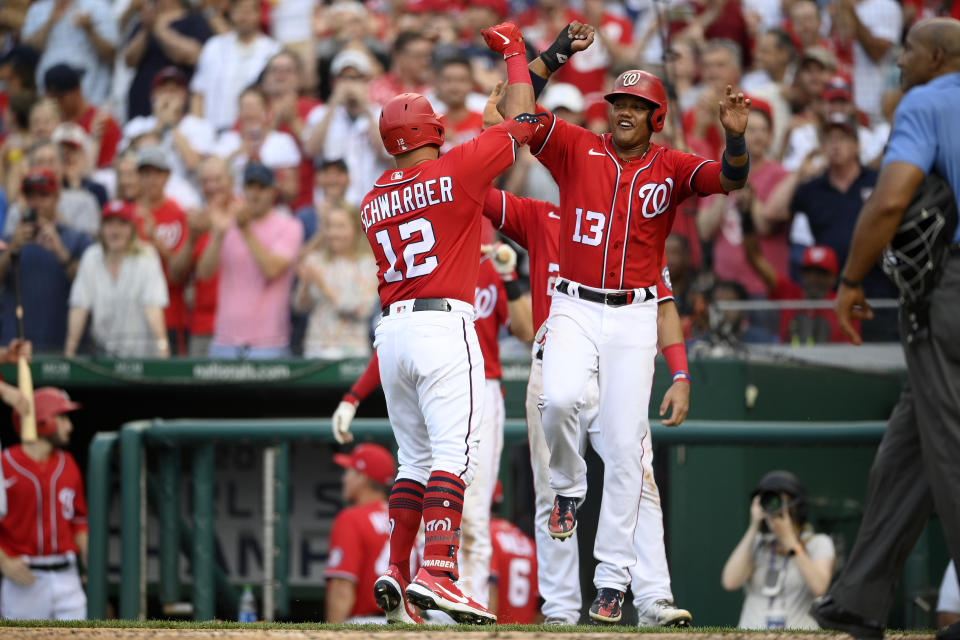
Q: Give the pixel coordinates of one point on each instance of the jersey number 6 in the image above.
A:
(411, 252)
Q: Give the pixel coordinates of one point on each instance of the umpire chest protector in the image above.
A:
(914, 258)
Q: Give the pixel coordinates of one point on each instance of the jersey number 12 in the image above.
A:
(411, 252)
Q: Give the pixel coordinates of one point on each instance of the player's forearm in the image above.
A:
(669, 327)
(82, 540)
(521, 318)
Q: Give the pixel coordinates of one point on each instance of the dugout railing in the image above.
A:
(165, 442)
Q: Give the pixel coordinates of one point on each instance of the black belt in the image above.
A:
(617, 299)
(58, 566)
(425, 304)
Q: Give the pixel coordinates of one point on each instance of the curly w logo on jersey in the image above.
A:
(656, 198)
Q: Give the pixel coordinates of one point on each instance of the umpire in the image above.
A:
(916, 468)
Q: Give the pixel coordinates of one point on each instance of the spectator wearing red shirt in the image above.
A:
(514, 594)
(360, 536)
(410, 70)
(818, 275)
(454, 85)
(283, 79)
(161, 222)
(214, 178)
(62, 83)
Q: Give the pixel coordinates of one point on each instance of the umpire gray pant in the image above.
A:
(917, 467)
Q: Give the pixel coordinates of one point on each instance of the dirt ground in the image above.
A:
(291, 634)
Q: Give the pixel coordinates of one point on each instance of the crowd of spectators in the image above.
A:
(237, 137)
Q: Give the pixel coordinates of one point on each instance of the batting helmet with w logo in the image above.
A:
(646, 86)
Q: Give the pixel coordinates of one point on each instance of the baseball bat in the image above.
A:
(28, 421)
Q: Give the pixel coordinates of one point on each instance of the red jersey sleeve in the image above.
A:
(368, 380)
(79, 521)
(664, 286)
(479, 160)
(512, 215)
(695, 175)
(345, 559)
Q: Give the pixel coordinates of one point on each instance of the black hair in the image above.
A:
(404, 38)
(455, 59)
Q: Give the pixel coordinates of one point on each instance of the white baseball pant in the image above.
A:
(617, 345)
(431, 371)
(54, 595)
(475, 546)
(557, 560)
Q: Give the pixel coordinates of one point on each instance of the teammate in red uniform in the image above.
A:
(513, 571)
(423, 223)
(360, 537)
(618, 199)
(45, 528)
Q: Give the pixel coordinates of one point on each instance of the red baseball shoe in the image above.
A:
(563, 518)
(428, 591)
(608, 606)
(389, 592)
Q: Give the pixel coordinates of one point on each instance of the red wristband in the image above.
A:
(676, 357)
(517, 71)
(351, 398)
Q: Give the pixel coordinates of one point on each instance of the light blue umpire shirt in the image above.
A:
(926, 131)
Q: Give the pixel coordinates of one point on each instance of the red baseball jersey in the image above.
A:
(535, 226)
(170, 229)
(423, 222)
(360, 551)
(45, 504)
(513, 573)
(615, 214)
(491, 306)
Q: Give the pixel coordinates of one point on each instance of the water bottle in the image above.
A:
(248, 606)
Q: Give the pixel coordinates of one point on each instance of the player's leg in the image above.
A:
(475, 546)
(450, 387)
(569, 360)
(69, 600)
(415, 458)
(558, 561)
(625, 378)
(896, 509)
(27, 602)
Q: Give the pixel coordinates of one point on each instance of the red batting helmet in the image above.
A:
(48, 403)
(407, 122)
(646, 86)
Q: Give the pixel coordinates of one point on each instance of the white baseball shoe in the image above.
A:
(663, 613)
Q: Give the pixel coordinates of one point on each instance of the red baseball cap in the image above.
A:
(838, 87)
(820, 257)
(169, 74)
(120, 209)
(371, 460)
(758, 104)
(39, 181)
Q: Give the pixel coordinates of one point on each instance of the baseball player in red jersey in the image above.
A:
(618, 198)
(45, 528)
(423, 222)
(513, 571)
(360, 537)
(535, 226)
(498, 302)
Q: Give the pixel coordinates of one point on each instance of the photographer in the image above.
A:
(780, 563)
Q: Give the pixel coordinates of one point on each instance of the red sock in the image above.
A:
(442, 512)
(406, 510)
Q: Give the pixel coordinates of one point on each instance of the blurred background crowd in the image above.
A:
(181, 177)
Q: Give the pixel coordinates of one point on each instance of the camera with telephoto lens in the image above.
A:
(772, 502)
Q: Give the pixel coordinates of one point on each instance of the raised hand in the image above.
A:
(504, 39)
(582, 36)
(491, 115)
(734, 110)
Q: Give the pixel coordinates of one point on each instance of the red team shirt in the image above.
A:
(535, 226)
(513, 572)
(423, 222)
(170, 229)
(491, 305)
(46, 504)
(109, 140)
(360, 552)
(614, 225)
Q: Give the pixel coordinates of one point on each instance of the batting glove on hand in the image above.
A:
(505, 39)
(342, 418)
(505, 261)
